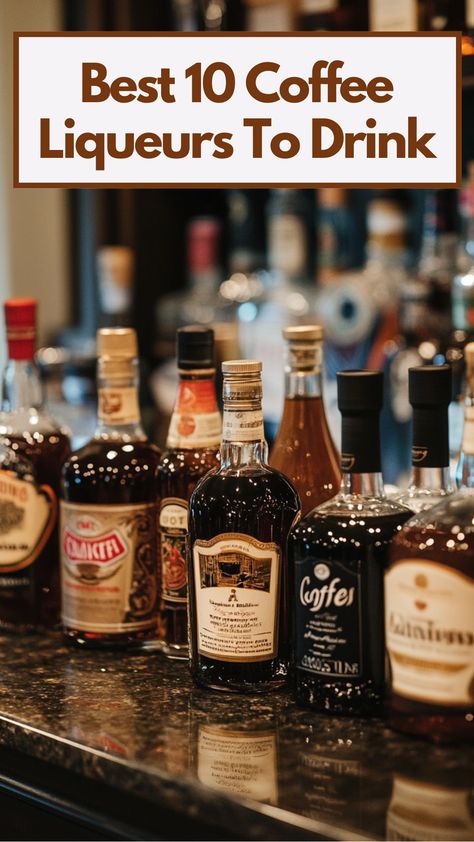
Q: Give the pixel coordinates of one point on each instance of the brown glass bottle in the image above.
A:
(240, 517)
(192, 450)
(108, 531)
(29, 594)
(429, 622)
(303, 449)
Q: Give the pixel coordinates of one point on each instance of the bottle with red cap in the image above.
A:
(29, 562)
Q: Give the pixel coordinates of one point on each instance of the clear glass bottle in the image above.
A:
(429, 617)
(430, 389)
(303, 449)
(338, 553)
(108, 532)
(29, 431)
(192, 449)
(465, 468)
(240, 518)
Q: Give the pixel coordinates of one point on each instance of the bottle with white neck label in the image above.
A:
(108, 529)
(240, 517)
(430, 394)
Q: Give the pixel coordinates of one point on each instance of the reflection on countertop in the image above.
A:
(259, 763)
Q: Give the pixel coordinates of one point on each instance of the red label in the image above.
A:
(102, 550)
(196, 397)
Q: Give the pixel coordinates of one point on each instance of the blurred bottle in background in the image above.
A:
(348, 15)
(115, 270)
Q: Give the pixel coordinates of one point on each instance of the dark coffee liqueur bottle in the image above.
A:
(193, 443)
(303, 449)
(29, 561)
(109, 513)
(429, 599)
(240, 517)
(339, 551)
(430, 388)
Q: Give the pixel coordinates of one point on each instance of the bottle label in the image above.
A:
(429, 629)
(421, 810)
(237, 585)
(108, 567)
(328, 619)
(173, 532)
(196, 421)
(387, 16)
(28, 515)
(243, 425)
(287, 247)
(239, 762)
(119, 406)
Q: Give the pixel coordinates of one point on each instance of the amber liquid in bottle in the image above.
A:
(429, 623)
(192, 451)
(30, 596)
(240, 517)
(108, 521)
(303, 449)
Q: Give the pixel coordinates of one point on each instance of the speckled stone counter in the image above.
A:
(252, 768)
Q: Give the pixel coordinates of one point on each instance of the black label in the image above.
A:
(328, 624)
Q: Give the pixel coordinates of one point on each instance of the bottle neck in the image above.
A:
(21, 386)
(195, 422)
(248, 454)
(360, 444)
(118, 410)
(362, 485)
(430, 442)
(431, 479)
(243, 439)
(303, 377)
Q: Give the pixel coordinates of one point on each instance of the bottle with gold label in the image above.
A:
(29, 562)
(192, 450)
(108, 531)
(429, 622)
(240, 517)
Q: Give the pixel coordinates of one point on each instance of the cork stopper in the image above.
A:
(117, 343)
(241, 367)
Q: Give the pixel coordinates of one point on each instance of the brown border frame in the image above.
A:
(172, 185)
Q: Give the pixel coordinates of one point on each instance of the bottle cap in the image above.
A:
(195, 347)
(20, 322)
(117, 343)
(430, 385)
(241, 367)
(303, 333)
(359, 391)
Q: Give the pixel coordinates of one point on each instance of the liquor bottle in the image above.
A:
(349, 15)
(32, 597)
(438, 261)
(269, 15)
(115, 267)
(430, 388)
(240, 517)
(303, 449)
(387, 16)
(429, 593)
(108, 532)
(465, 467)
(192, 449)
(338, 554)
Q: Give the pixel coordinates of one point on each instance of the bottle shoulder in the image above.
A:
(260, 482)
(98, 452)
(353, 511)
(182, 460)
(421, 499)
(24, 422)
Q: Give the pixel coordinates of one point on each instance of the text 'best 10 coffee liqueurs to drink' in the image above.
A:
(240, 517)
(29, 483)
(192, 449)
(338, 553)
(108, 531)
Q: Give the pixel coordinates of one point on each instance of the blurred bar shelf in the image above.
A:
(120, 746)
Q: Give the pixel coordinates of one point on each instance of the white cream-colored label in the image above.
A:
(393, 15)
(27, 517)
(429, 629)
(109, 575)
(420, 811)
(238, 762)
(239, 425)
(119, 406)
(287, 247)
(190, 431)
(237, 597)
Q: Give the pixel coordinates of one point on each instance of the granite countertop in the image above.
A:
(256, 767)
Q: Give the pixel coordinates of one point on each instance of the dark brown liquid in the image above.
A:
(179, 473)
(305, 452)
(261, 504)
(132, 480)
(349, 548)
(439, 723)
(34, 604)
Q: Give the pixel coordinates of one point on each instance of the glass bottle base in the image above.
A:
(430, 723)
(238, 688)
(146, 639)
(176, 652)
(339, 699)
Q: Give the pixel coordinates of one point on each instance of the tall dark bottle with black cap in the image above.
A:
(338, 553)
(430, 390)
(192, 449)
